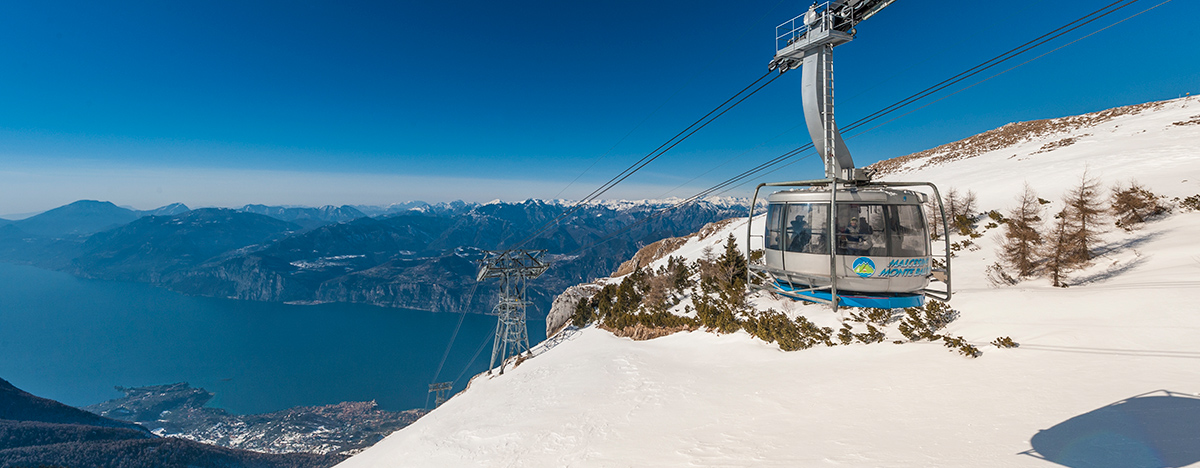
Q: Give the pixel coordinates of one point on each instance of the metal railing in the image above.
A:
(762, 269)
(794, 29)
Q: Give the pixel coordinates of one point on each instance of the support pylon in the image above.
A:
(514, 268)
(441, 392)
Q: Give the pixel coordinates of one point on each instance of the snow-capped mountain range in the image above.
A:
(618, 205)
(420, 258)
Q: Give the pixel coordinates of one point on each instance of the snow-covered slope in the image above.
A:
(1155, 143)
(1107, 372)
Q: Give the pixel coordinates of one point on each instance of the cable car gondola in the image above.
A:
(873, 248)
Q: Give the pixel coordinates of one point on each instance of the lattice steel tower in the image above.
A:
(515, 268)
(441, 391)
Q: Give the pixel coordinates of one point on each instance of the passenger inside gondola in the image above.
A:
(857, 236)
(801, 234)
(806, 228)
(854, 239)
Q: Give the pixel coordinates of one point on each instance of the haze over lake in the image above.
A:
(73, 340)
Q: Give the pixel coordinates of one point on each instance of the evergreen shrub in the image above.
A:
(845, 336)
(923, 323)
(1005, 342)
(1191, 203)
(964, 348)
(872, 335)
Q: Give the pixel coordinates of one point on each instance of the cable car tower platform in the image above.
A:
(514, 268)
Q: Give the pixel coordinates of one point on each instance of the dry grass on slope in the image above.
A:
(648, 254)
(641, 332)
(1006, 136)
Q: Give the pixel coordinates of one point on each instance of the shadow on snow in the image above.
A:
(1155, 429)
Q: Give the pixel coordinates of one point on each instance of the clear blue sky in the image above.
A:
(321, 102)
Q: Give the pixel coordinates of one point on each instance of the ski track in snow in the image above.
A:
(1128, 326)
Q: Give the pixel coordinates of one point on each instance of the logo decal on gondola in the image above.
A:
(905, 267)
(863, 266)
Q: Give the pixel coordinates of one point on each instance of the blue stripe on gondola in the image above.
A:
(854, 299)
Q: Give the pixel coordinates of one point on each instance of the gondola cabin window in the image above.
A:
(907, 231)
(862, 229)
(774, 225)
(806, 230)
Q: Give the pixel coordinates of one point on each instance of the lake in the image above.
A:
(73, 340)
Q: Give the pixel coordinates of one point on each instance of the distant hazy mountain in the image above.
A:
(36, 431)
(376, 210)
(80, 218)
(423, 257)
(153, 246)
(86, 217)
(426, 259)
(168, 210)
(308, 217)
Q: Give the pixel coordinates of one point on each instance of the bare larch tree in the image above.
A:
(1085, 213)
(1058, 248)
(1022, 236)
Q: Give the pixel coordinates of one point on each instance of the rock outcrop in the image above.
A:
(564, 306)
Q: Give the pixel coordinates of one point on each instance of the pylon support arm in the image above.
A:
(520, 263)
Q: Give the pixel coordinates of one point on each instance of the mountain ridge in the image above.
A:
(1015, 133)
(388, 260)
